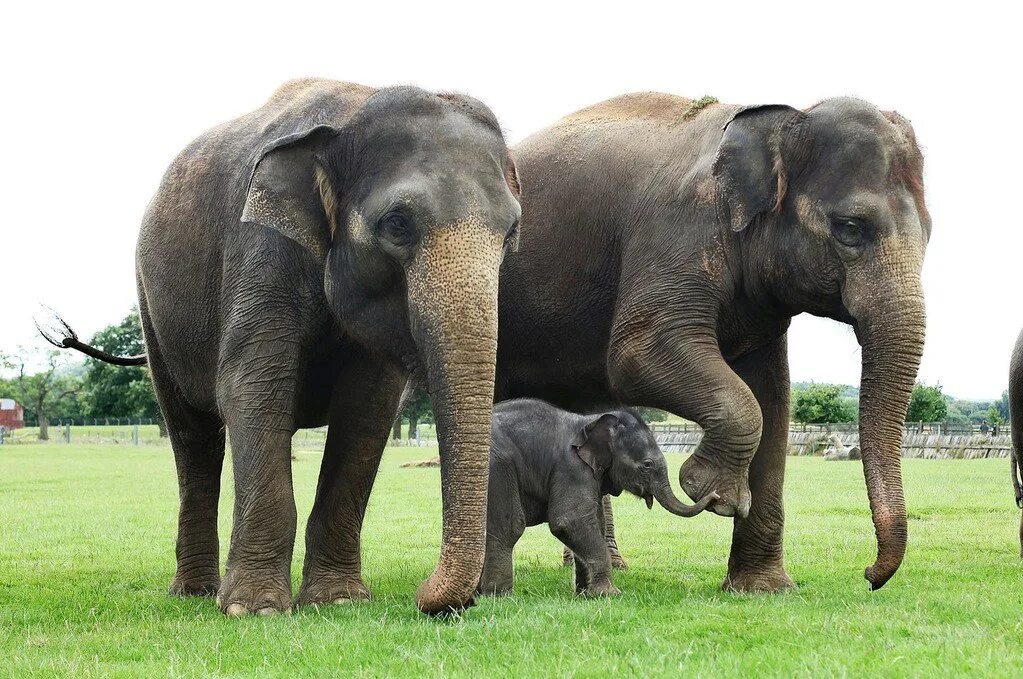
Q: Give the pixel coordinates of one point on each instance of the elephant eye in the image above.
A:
(849, 231)
(396, 228)
(648, 463)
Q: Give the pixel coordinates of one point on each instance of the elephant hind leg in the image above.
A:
(197, 439)
(506, 522)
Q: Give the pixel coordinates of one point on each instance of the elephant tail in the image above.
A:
(61, 335)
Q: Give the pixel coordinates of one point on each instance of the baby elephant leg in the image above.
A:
(505, 525)
(583, 533)
(618, 562)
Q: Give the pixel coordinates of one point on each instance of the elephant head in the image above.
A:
(409, 204)
(622, 450)
(831, 202)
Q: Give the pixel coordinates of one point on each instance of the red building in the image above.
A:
(12, 415)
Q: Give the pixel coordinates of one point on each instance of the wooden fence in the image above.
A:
(915, 444)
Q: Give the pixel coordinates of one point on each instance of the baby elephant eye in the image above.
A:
(648, 463)
(849, 231)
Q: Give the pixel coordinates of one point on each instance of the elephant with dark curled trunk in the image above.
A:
(667, 243)
(1016, 415)
(296, 267)
(551, 466)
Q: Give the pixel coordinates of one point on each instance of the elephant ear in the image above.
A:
(287, 193)
(593, 443)
(749, 167)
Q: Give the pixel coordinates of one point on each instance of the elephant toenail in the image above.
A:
(236, 610)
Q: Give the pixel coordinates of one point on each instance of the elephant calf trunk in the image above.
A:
(666, 497)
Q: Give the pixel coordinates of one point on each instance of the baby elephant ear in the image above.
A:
(283, 191)
(593, 443)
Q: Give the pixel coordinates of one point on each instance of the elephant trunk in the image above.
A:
(666, 497)
(452, 289)
(892, 337)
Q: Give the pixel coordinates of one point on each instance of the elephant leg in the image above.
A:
(582, 575)
(506, 522)
(365, 400)
(755, 563)
(583, 533)
(618, 562)
(257, 398)
(197, 439)
(682, 371)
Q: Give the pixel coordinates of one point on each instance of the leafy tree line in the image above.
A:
(835, 403)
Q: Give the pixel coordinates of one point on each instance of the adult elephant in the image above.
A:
(296, 266)
(1016, 417)
(667, 243)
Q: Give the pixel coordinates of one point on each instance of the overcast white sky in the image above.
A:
(98, 101)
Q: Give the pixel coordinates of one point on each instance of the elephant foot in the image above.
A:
(202, 585)
(758, 582)
(322, 591)
(600, 589)
(699, 477)
(247, 594)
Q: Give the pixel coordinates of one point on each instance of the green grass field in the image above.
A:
(87, 542)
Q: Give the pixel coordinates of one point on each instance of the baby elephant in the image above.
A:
(549, 465)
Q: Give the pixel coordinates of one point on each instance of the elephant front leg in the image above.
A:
(683, 372)
(618, 562)
(363, 407)
(755, 563)
(584, 535)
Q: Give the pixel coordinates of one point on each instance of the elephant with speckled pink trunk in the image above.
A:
(297, 267)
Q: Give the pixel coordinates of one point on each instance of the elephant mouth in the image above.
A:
(649, 499)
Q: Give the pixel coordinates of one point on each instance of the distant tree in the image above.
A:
(993, 416)
(118, 391)
(821, 404)
(927, 404)
(955, 413)
(44, 392)
(418, 409)
(653, 414)
(1003, 406)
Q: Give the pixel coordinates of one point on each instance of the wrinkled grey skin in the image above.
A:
(665, 247)
(296, 266)
(551, 466)
(1016, 417)
(618, 562)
